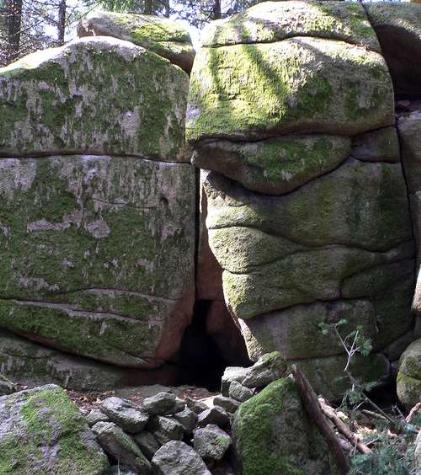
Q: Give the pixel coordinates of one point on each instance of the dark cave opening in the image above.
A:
(204, 356)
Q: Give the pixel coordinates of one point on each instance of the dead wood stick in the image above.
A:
(344, 429)
(313, 409)
(413, 411)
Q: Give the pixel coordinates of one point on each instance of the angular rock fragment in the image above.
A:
(147, 443)
(239, 392)
(214, 415)
(124, 413)
(165, 429)
(178, 458)
(95, 416)
(268, 368)
(211, 442)
(161, 404)
(121, 447)
(230, 405)
(408, 384)
(187, 418)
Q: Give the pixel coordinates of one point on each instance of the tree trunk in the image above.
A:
(61, 24)
(217, 12)
(149, 7)
(13, 27)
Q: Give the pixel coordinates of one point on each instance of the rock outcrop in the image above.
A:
(291, 107)
(98, 222)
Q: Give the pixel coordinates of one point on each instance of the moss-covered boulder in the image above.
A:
(299, 85)
(398, 27)
(31, 364)
(97, 255)
(168, 38)
(268, 22)
(409, 375)
(274, 166)
(273, 435)
(94, 95)
(43, 432)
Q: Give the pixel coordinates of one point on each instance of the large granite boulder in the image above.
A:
(268, 22)
(93, 95)
(398, 27)
(165, 37)
(43, 432)
(32, 364)
(98, 222)
(308, 212)
(272, 434)
(87, 260)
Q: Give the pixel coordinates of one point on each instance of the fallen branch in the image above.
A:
(343, 428)
(315, 413)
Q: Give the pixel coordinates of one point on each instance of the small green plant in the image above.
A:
(392, 438)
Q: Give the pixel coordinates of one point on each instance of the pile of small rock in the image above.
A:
(169, 435)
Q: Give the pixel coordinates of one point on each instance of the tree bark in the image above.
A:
(216, 11)
(13, 27)
(61, 24)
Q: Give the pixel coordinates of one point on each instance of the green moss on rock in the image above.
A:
(276, 21)
(272, 434)
(167, 38)
(135, 105)
(274, 166)
(296, 85)
(46, 434)
(96, 246)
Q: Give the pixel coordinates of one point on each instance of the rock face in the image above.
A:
(398, 27)
(164, 37)
(50, 103)
(43, 432)
(308, 212)
(97, 250)
(276, 414)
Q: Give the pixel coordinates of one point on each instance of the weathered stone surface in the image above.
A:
(165, 429)
(147, 443)
(268, 368)
(227, 403)
(296, 332)
(398, 27)
(232, 373)
(273, 166)
(214, 415)
(378, 146)
(178, 458)
(168, 38)
(6, 386)
(276, 414)
(187, 418)
(418, 448)
(42, 431)
(327, 377)
(295, 249)
(160, 404)
(211, 442)
(51, 102)
(409, 375)
(297, 85)
(124, 413)
(239, 392)
(108, 262)
(121, 447)
(409, 126)
(273, 21)
(95, 416)
(32, 364)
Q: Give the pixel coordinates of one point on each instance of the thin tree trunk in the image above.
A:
(167, 8)
(217, 11)
(148, 7)
(61, 24)
(13, 26)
